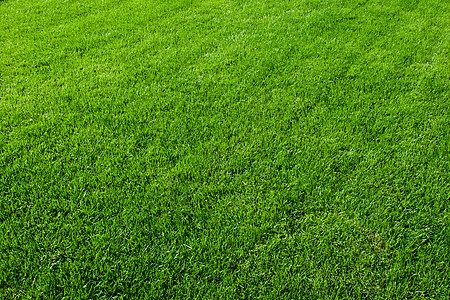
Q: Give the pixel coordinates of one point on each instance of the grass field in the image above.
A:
(225, 149)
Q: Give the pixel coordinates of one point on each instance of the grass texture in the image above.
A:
(224, 149)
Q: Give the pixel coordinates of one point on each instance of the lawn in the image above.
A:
(225, 149)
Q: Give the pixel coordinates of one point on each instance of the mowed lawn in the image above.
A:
(225, 149)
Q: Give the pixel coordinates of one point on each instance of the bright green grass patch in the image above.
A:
(224, 149)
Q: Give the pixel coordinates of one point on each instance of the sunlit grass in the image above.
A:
(224, 149)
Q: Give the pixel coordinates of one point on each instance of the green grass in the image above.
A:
(258, 149)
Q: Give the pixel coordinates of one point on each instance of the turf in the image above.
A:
(224, 149)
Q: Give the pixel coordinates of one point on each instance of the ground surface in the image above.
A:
(253, 149)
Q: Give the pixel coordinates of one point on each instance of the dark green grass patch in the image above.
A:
(224, 149)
